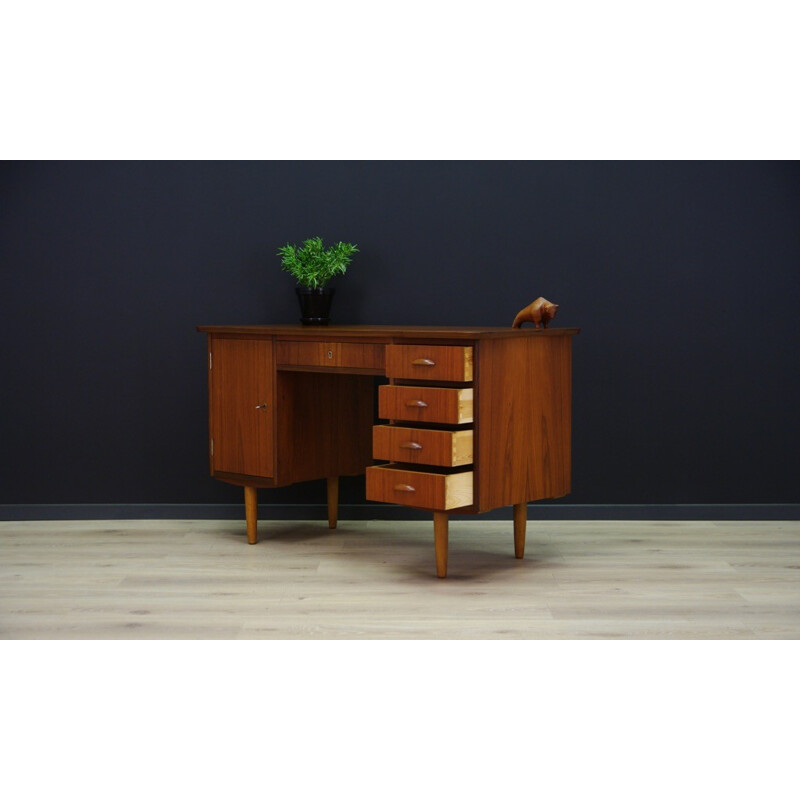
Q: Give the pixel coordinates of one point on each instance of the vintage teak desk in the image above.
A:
(471, 418)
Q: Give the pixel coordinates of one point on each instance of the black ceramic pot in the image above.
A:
(315, 305)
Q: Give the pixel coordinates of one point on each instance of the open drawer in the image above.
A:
(439, 491)
(426, 404)
(422, 445)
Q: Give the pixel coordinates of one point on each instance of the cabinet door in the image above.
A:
(242, 406)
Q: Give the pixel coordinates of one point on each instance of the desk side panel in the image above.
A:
(524, 408)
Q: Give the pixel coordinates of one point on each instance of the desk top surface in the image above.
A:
(383, 331)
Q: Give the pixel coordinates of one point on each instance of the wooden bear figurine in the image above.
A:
(540, 310)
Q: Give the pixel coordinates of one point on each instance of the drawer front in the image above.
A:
(330, 354)
(425, 404)
(429, 362)
(390, 484)
(422, 446)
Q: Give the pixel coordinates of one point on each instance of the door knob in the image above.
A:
(261, 405)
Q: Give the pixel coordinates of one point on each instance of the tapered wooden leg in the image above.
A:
(251, 513)
(520, 519)
(440, 520)
(333, 502)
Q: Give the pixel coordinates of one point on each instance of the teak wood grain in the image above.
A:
(524, 412)
(384, 333)
(241, 406)
(429, 362)
(426, 404)
(422, 445)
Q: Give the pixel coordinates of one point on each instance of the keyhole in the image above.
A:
(330, 353)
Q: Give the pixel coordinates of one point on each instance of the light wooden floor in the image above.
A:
(200, 580)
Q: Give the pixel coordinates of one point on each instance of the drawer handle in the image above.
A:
(416, 404)
(411, 445)
(404, 487)
(423, 362)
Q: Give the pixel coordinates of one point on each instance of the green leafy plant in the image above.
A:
(312, 265)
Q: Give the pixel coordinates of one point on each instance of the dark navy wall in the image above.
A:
(684, 277)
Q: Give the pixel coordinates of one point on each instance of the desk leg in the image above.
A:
(440, 524)
(333, 501)
(520, 520)
(251, 513)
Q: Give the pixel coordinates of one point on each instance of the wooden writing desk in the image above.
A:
(473, 418)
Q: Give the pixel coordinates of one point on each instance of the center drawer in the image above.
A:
(422, 445)
(330, 354)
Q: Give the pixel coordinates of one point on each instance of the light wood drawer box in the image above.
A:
(429, 362)
(422, 446)
(425, 404)
(330, 354)
(430, 490)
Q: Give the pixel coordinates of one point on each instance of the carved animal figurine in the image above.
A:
(540, 310)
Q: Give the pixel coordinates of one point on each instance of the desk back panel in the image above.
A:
(324, 425)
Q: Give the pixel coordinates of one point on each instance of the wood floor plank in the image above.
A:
(188, 579)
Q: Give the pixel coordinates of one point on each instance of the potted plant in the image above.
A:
(313, 266)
